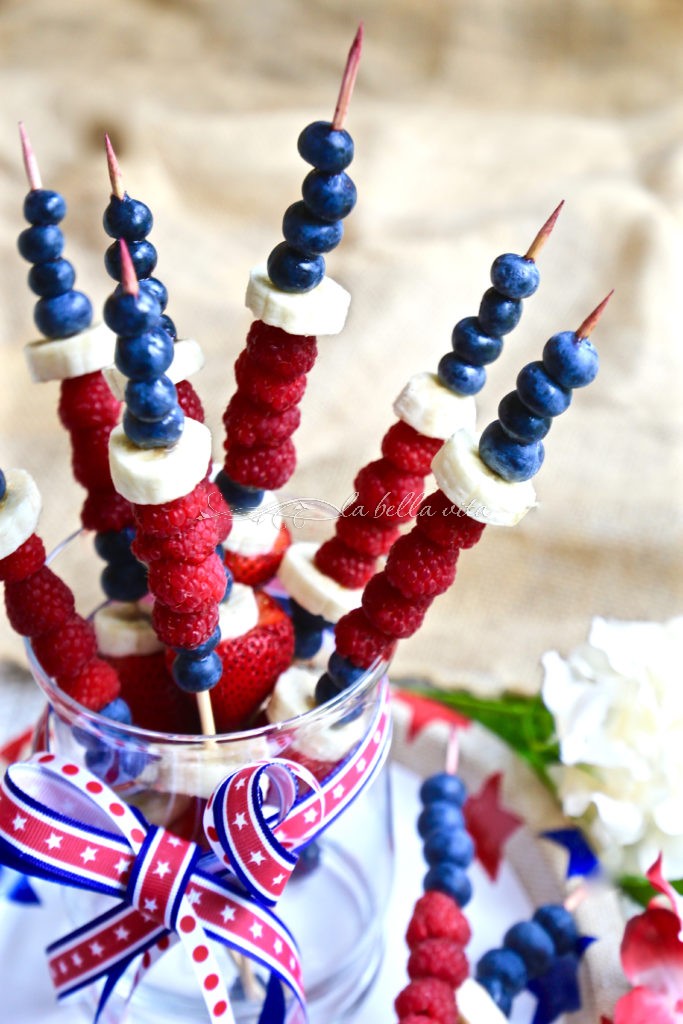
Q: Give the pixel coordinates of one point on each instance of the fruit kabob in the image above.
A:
(327, 581)
(293, 301)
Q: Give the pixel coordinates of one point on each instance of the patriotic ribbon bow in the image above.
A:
(56, 823)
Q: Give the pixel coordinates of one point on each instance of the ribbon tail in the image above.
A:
(273, 1011)
(111, 981)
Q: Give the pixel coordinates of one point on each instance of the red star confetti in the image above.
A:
(489, 824)
(424, 711)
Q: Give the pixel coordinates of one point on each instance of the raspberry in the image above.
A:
(87, 401)
(90, 457)
(247, 424)
(428, 996)
(417, 567)
(276, 393)
(437, 916)
(445, 524)
(255, 570)
(267, 467)
(388, 493)
(38, 603)
(408, 450)
(193, 544)
(154, 699)
(416, 1018)
(389, 611)
(347, 567)
(163, 520)
(65, 650)
(189, 401)
(105, 511)
(95, 686)
(218, 510)
(26, 560)
(438, 958)
(186, 587)
(363, 533)
(358, 640)
(176, 629)
(286, 355)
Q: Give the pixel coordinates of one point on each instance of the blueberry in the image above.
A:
(560, 926)
(341, 669)
(539, 392)
(308, 233)
(452, 845)
(129, 315)
(498, 314)
(309, 859)
(239, 498)
(443, 786)
(41, 243)
(127, 218)
(151, 400)
(131, 763)
(472, 345)
(510, 459)
(498, 992)
(160, 434)
(156, 288)
(114, 545)
(326, 689)
(514, 276)
(202, 650)
(118, 711)
(451, 879)
(3, 485)
(329, 196)
(519, 423)
(124, 581)
(144, 356)
(506, 965)
(304, 619)
(142, 253)
(63, 315)
(167, 324)
(327, 148)
(99, 758)
(294, 271)
(229, 581)
(43, 206)
(439, 815)
(307, 642)
(194, 675)
(530, 941)
(54, 277)
(460, 377)
(571, 361)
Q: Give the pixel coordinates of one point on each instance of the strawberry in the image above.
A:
(155, 701)
(257, 569)
(251, 664)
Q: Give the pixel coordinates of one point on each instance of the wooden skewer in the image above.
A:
(544, 234)
(115, 176)
(30, 163)
(348, 80)
(589, 324)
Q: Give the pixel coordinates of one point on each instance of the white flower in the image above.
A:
(617, 702)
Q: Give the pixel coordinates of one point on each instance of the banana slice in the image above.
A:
(475, 1005)
(187, 359)
(153, 476)
(256, 532)
(320, 311)
(123, 629)
(466, 479)
(19, 510)
(196, 770)
(317, 593)
(239, 613)
(294, 695)
(432, 409)
(64, 358)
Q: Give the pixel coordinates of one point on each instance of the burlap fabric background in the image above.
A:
(472, 119)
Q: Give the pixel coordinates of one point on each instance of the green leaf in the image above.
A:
(524, 723)
(640, 890)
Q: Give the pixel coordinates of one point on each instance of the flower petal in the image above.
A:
(651, 951)
(642, 1006)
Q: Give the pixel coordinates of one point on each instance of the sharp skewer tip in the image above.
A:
(30, 162)
(348, 80)
(115, 176)
(544, 234)
(129, 281)
(590, 323)
(452, 752)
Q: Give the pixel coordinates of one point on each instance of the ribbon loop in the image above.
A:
(160, 875)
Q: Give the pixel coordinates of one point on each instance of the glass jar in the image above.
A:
(335, 900)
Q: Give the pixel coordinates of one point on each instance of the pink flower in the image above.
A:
(652, 958)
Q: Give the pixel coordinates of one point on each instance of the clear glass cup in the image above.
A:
(335, 901)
